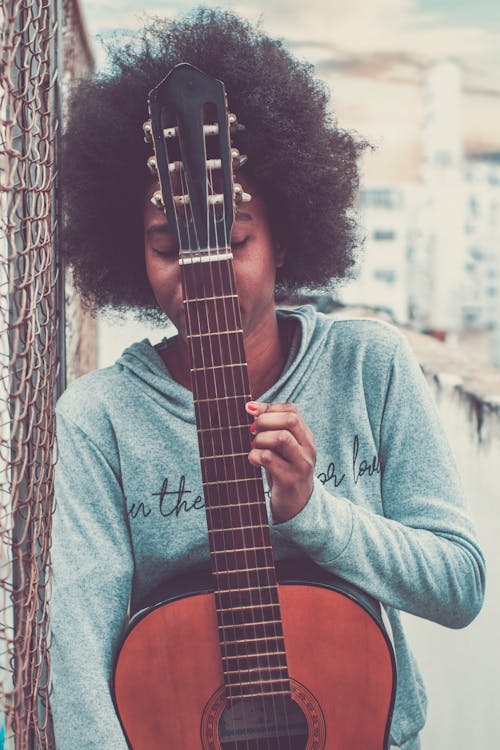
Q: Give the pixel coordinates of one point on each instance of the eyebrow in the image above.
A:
(158, 228)
(164, 227)
(242, 216)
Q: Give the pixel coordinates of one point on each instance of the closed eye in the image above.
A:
(236, 245)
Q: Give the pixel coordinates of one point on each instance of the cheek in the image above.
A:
(255, 280)
(165, 280)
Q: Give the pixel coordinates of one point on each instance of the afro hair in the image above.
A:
(300, 161)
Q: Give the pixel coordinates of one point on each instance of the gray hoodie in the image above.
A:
(386, 514)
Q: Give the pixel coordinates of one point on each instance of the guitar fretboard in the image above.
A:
(248, 612)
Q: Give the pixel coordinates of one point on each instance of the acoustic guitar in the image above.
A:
(248, 656)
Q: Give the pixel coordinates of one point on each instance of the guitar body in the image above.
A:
(168, 680)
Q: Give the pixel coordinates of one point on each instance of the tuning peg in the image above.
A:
(151, 162)
(239, 194)
(234, 125)
(238, 159)
(148, 133)
(157, 199)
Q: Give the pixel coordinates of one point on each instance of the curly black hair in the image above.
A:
(303, 164)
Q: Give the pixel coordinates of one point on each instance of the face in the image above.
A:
(255, 260)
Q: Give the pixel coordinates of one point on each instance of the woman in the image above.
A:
(358, 473)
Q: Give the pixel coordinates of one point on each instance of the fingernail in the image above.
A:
(252, 407)
(252, 428)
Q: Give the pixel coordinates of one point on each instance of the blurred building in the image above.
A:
(432, 248)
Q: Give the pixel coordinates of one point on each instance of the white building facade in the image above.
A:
(432, 249)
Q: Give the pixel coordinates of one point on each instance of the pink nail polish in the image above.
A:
(252, 407)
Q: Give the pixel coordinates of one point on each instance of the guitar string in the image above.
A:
(254, 607)
(212, 191)
(223, 268)
(258, 591)
(217, 561)
(243, 379)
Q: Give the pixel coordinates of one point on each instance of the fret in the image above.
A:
(245, 608)
(260, 654)
(247, 683)
(253, 625)
(223, 398)
(233, 481)
(223, 455)
(213, 333)
(246, 570)
(270, 635)
(219, 429)
(255, 669)
(258, 694)
(263, 639)
(274, 658)
(258, 527)
(243, 549)
(230, 541)
(216, 296)
(251, 557)
(228, 471)
(248, 588)
(217, 367)
(234, 505)
(247, 599)
(252, 577)
(243, 614)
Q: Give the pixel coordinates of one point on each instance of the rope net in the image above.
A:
(31, 350)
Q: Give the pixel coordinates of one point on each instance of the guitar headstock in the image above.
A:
(191, 128)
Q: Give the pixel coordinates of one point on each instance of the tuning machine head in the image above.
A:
(148, 132)
(239, 194)
(238, 159)
(234, 125)
(152, 165)
(157, 200)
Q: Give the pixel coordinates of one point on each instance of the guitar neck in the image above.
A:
(241, 555)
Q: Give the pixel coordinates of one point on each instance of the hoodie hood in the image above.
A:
(143, 362)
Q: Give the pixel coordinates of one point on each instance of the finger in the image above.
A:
(286, 420)
(282, 442)
(260, 407)
(275, 465)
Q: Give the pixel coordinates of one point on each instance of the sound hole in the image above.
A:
(263, 723)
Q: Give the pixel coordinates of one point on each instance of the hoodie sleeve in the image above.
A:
(422, 555)
(92, 573)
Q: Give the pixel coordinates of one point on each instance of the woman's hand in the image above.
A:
(284, 445)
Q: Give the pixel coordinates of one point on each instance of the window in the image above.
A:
(381, 198)
(384, 235)
(385, 274)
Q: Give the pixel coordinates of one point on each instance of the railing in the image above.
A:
(32, 363)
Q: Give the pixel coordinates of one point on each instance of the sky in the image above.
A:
(375, 56)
